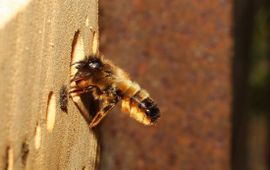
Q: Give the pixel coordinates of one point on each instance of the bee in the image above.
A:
(109, 84)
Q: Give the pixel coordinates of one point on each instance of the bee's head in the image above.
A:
(92, 68)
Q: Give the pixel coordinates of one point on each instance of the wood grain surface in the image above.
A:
(35, 54)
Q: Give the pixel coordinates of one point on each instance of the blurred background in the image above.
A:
(206, 64)
(251, 85)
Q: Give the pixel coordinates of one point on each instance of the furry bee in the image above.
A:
(110, 84)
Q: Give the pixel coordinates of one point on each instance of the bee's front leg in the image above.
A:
(76, 95)
(77, 91)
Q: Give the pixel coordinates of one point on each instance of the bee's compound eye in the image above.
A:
(94, 65)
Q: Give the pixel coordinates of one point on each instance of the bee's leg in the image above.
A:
(78, 99)
(106, 104)
(77, 62)
(76, 91)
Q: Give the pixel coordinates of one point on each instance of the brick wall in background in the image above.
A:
(180, 51)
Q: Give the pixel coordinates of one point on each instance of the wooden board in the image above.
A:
(36, 45)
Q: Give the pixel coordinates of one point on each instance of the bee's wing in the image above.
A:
(106, 104)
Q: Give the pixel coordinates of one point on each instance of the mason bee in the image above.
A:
(109, 84)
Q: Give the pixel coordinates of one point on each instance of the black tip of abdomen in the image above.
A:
(151, 109)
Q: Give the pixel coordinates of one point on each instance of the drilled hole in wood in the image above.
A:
(8, 160)
(95, 40)
(74, 42)
(51, 111)
(84, 102)
(63, 99)
(77, 52)
(37, 137)
(24, 152)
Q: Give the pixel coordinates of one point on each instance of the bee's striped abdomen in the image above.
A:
(141, 107)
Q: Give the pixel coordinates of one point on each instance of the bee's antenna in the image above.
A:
(78, 62)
